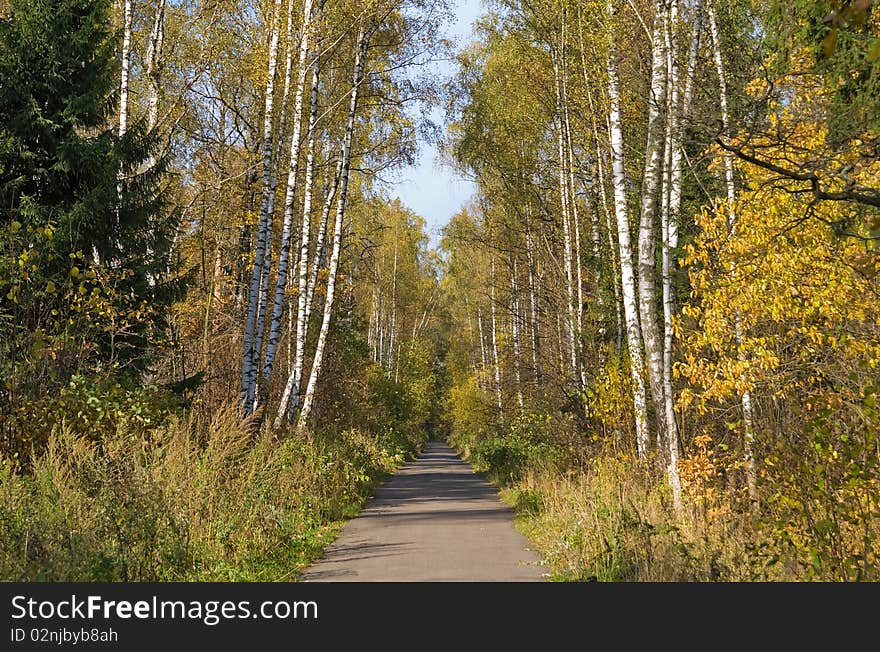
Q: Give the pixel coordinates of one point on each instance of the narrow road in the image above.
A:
(435, 520)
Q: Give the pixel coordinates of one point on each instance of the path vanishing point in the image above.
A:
(435, 520)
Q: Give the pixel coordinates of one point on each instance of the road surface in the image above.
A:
(435, 520)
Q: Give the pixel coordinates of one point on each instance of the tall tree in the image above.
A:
(73, 183)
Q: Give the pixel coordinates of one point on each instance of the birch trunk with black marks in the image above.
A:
(627, 276)
(290, 197)
(251, 351)
(668, 242)
(126, 66)
(152, 68)
(647, 285)
(309, 397)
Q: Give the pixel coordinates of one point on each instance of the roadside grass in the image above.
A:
(607, 518)
(200, 499)
(608, 522)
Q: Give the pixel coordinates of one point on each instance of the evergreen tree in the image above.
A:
(84, 224)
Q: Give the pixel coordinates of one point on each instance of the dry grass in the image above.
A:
(203, 499)
(612, 521)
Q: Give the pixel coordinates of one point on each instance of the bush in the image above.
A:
(97, 407)
(526, 443)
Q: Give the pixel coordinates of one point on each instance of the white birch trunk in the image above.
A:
(515, 331)
(730, 183)
(606, 210)
(573, 211)
(603, 196)
(308, 399)
(288, 72)
(154, 56)
(393, 324)
(264, 233)
(667, 226)
(533, 305)
(627, 276)
(647, 235)
(289, 200)
(126, 65)
(498, 396)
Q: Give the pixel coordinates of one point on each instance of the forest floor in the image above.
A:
(435, 520)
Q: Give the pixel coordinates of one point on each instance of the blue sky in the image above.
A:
(431, 189)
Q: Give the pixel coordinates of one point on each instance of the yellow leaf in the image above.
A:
(829, 43)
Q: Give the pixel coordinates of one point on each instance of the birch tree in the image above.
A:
(264, 234)
(364, 35)
(627, 275)
(647, 286)
(290, 198)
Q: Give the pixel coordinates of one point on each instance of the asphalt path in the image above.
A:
(434, 520)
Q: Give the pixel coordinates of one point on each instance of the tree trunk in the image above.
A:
(126, 65)
(308, 399)
(627, 277)
(498, 396)
(264, 233)
(575, 217)
(290, 197)
(647, 235)
(517, 349)
(730, 183)
(533, 304)
(154, 56)
(393, 325)
(483, 359)
(668, 226)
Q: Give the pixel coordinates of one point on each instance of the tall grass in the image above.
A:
(199, 499)
(597, 514)
(612, 521)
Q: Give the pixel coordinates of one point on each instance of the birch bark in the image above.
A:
(264, 232)
(533, 303)
(515, 331)
(308, 399)
(498, 395)
(730, 183)
(647, 285)
(290, 196)
(627, 276)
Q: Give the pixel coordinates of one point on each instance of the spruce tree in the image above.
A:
(85, 227)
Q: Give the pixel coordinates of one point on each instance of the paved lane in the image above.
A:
(435, 520)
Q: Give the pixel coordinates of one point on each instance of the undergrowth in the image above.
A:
(198, 499)
(596, 514)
